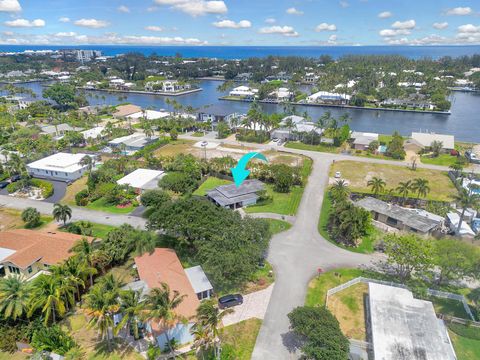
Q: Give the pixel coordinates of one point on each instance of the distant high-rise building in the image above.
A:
(87, 55)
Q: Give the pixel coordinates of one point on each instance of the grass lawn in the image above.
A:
(366, 154)
(240, 338)
(465, 348)
(11, 219)
(73, 189)
(449, 307)
(358, 174)
(76, 326)
(284, 204)
(209, 184)
(99, 230)
(347, 306)
(320, 147)
(386, 139)
(318, 287)
(442, 159)
(198, 134)
(368, 242)
(175, 147)
(100, 205)
(15, 356)
(278, 226)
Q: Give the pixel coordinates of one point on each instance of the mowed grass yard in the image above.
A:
(359, 173)
(279, 203)
(176, 147)
(101, 205)
(240, 338)
(209, 184)
(73, 189)
(278, 226)
(348, 307)
(11, 219)
(466, 341)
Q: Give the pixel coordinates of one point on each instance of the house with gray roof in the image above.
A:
(400, 218)
(200, 283)
(362, 140)
(233, 197)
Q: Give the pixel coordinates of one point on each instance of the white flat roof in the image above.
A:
(68, 163)
(426, 139)
(93, 132)
(149, 115)
(145, 179)
(465, 229)
(404, 328)
(198, 279)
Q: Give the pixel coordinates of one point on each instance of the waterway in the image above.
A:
(463, 123)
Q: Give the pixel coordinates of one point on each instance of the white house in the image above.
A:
(426, 139)
(168, 86)
(243, 91)
(142, 179)
(60, 166)
(93, 133)
(328, 97)
(148, 115)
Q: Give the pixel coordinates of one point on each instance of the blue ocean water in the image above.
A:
(242, 52)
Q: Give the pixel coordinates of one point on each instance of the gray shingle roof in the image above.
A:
(226, 195)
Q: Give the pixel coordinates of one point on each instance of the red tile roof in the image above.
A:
(31, 246)
(163, 265)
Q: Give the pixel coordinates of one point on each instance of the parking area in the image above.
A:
(59, 189)
(254, 306)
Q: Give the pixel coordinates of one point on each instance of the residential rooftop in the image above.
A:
(426, 139)
(145, 179)
(64, 162)
(198, 279)
(226, 195)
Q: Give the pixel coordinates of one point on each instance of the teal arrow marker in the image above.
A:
(239, 172)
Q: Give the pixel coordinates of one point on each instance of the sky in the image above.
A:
(240, 22)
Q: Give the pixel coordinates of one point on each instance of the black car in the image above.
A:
(3, 184)
(228, 301)
(15, 178)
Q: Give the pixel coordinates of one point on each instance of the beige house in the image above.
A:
(125, 110)
(29, 253)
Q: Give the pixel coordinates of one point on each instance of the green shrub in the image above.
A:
(52, 339)
(470, 332)
(45, 186)
(11, 188)
(81, 198)
(178, 182)
(31, 217)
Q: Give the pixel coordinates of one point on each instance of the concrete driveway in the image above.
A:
(254, 306)
(59, 189)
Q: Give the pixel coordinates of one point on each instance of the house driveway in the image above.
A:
(59, 189)
(254, 306)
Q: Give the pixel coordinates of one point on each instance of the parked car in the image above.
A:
(229, 301)
(275, 139)
(3, 184)
(15, 178)
(204, 143)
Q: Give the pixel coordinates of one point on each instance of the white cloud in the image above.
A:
(293, 11)
(230, 24)
(270, 21)
(393, 32)
(469, 28)
(408, 24)
(25, 23)
(385, 15)
(123, 9)
(64, 19)
(344, 4)
(66, 34)
(196, 7)
(440, 25)
(332, 39)
(287, 31)
(326, 27)
(10, 6)
(461, 11)
(91, 23)
(153, 28)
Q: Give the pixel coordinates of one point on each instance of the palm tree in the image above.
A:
(290, 125)
(85, 250)
(131, 307)
(47, 295)
(100, 306)
(111, 283)
(68, 284)
(88, 162)
(377, 185)
(62, 213)
(404, 189)
(202, 339)
(160, 306)
(456, 168)
(340, 190)
(420, 186)
(14, 297)
(466, 199)
(210, 318)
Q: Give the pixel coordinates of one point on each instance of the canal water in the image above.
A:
(464, 121)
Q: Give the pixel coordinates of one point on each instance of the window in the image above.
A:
(13, 269)
(29, 269)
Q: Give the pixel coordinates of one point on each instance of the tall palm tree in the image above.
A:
(466, 199)
(290, 125)
(79, 271)
(404, 189)
(88, 162)
(377, 185)
(68, 284)
(420, 186)
(85, 250)
(14, 297)
(47, 295)
(210, 318)
(100, 306)
(160, 307)
(62, 212)
(202, 339)
(131, 307)
(340, 190)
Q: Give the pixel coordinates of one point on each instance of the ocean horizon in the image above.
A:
(243, 52)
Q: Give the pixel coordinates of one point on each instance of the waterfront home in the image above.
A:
(60, 166)
(132, 143)
(362, 140)
(280, 95)
(167, 86)
(233, 197)
(214, 115)
(164, 266)
(243, 77)
(299, 126)
(426, 140)
(142, 179)
(325, 97)
(281, 76)
(397, 217)
(310, 78)
(243, 92)
(411, 102)
(30, 253)
(123, 111)
(148, 115)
